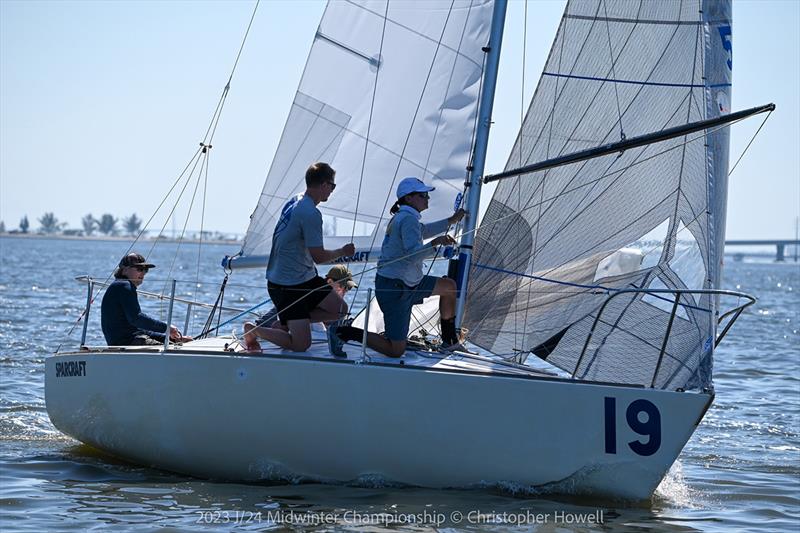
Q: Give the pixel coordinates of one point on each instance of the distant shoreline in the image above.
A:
(110, 238)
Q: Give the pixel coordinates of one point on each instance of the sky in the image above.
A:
(103, 103)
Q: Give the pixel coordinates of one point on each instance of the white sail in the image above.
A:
(390, 90)
(616, 69)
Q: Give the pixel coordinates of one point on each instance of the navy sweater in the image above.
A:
(122, 318)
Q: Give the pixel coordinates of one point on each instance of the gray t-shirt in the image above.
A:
(298, 229)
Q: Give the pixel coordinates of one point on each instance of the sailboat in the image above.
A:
(590, 287)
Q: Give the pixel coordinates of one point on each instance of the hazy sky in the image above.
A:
(102, 104)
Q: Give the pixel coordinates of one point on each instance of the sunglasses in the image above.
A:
(332, 184)
(141, 268)
(424, 195)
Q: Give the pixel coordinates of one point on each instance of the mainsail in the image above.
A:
(555, 244)
(390, 90)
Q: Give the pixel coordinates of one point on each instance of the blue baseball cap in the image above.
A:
(412, 185)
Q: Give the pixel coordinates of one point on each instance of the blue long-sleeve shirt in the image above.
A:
(122, 318)
(402, 251)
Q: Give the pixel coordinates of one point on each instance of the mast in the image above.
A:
(479, 155)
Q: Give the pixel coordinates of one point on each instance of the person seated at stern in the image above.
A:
(123, 322)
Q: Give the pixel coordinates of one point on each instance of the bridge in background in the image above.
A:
(780, 245)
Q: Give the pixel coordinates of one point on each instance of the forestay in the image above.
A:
(554, 244)
(390, 90)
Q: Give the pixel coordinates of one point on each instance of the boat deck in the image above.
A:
(230, 345)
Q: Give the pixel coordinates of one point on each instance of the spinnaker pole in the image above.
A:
(479, 154)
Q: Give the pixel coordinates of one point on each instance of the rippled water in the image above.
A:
(740, 471)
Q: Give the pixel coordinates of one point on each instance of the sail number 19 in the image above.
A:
(650, 428)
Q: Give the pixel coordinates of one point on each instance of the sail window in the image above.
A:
(687, 261)
(641, 254)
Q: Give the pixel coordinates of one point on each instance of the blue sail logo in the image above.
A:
(727, 43)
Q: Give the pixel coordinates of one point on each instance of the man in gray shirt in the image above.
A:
(300, 295)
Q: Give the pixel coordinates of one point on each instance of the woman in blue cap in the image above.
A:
(400, 283)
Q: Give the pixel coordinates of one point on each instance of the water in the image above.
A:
(740, 471)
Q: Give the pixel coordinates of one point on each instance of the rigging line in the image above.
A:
(369, 122)
(192, 161)
(602, 288)
(517, 342)
(449, 83)
(530, 207)
(550, 120)
(613, 73)
(71, 329)
(607, 175)
(474, 132)
(175, 205)
(483, 227)
(668, 251)
(300, 182)
(597, 92)
(200, 243)
(185, 222)
(749, 143)
(557, 95)
(223, 97)
(411, 127)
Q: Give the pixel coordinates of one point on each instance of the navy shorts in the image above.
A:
(396, 299)
(295, 302)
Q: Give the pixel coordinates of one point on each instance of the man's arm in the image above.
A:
(312, 233)
(321, 255)
(134, 315)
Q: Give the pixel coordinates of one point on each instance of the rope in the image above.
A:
(613, 74)
(369, 122)
(606, 290)
(413, 121)
(749, 143)
(192, 163)
(200, 243)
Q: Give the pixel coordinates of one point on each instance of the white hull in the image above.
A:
(241, 417)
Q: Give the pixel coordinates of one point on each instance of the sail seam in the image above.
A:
(415, 32)
(642, 21)
(636, 82)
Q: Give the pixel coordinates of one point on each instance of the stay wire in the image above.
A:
(519, 188)
(221, 104)
(532, 206)
(200, 242)
(413, 121)
(186, 219)
(753, 138)
(208, 135)
(369, 121)
(71, 329)
(613, 73)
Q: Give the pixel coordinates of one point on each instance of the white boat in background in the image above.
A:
(600, 253)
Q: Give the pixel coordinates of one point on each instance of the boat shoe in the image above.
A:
(335, 344)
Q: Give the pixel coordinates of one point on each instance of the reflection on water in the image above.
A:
(79, 488)
(740, 471)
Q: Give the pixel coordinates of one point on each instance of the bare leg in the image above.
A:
(445, 289)
(251, 337)
(296, 339)
(381, 344)
(331, 309)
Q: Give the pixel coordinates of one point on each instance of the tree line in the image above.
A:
(107, 224)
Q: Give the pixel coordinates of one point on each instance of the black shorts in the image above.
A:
(295, 302)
